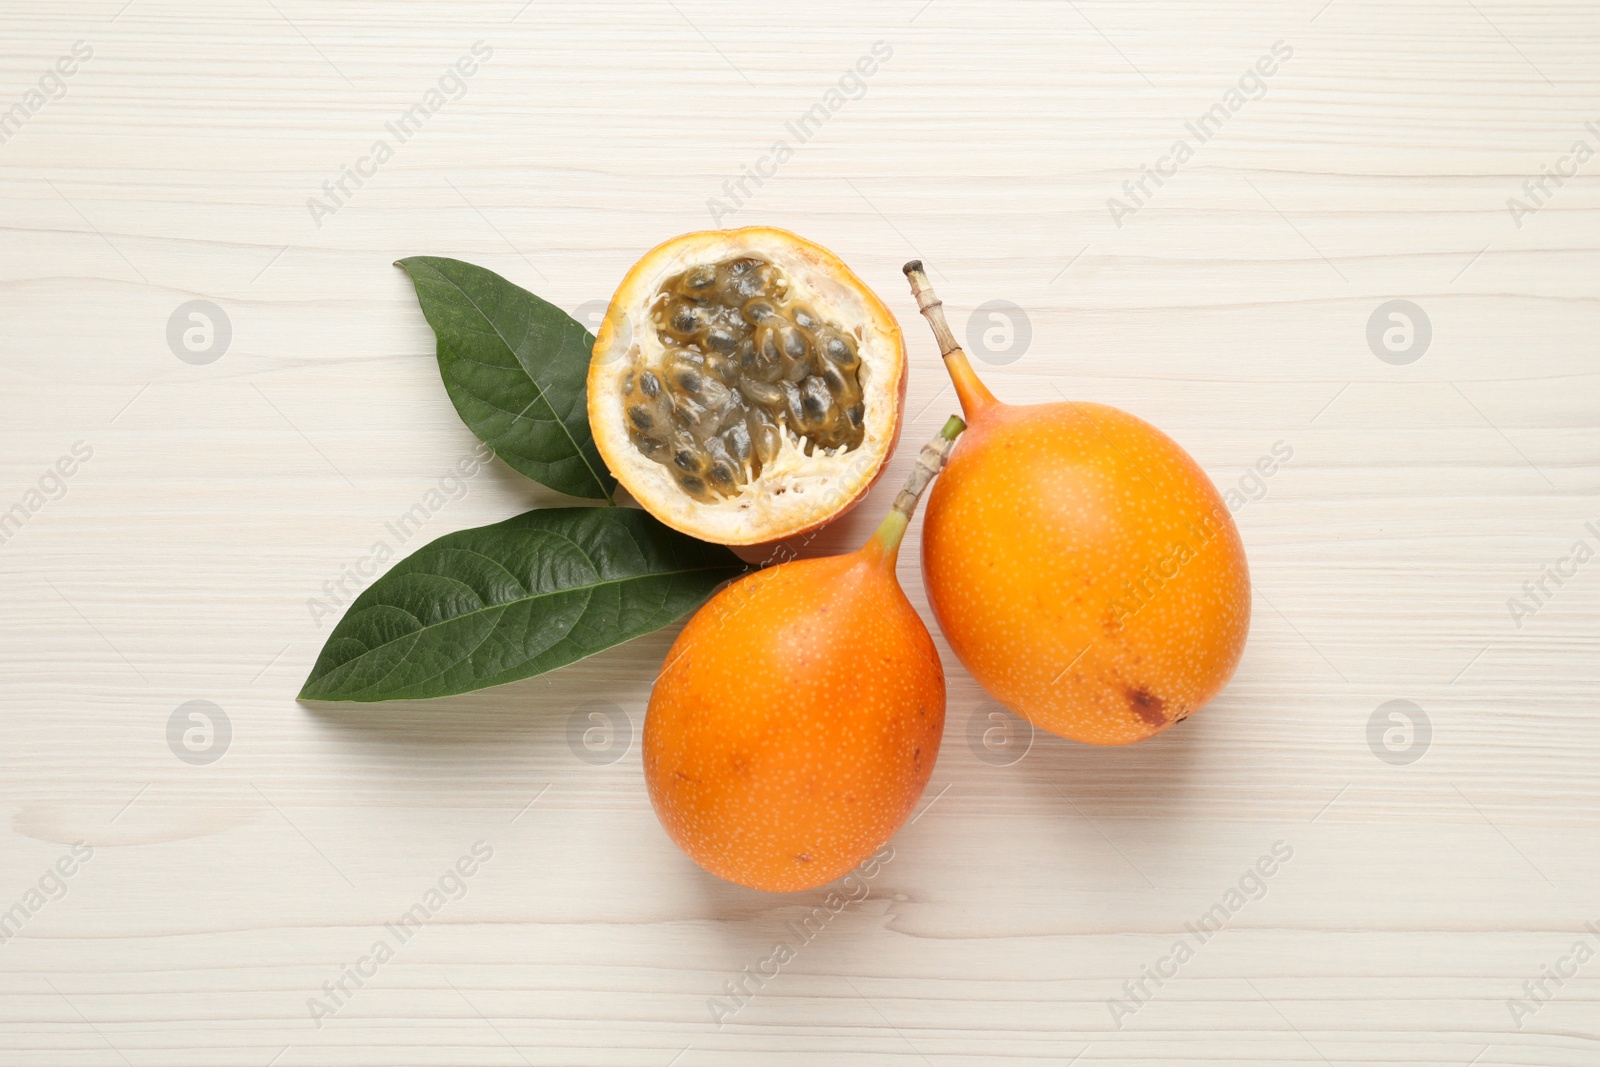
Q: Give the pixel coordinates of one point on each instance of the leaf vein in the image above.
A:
(599, 481)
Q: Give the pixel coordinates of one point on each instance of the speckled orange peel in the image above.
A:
(798, 715)
(1080, 563)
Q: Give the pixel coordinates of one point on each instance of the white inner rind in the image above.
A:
(794, 490)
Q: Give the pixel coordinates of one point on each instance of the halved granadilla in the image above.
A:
(746, 386)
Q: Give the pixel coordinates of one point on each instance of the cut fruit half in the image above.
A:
(746, 386)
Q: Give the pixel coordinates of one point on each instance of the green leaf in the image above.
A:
(524, 596)
(516, 368)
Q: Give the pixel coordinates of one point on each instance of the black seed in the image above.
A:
(692, 484)
(733, 411)
(765, 437)
(641, 416)
(815, 399)
(856, 414)
(757, 312)
(794, 343)
(723, 475)
(738, 441)
(689, 381)
(713, 394)
(721, 339)
(700, 277)
(796, 406)
(803, 318)
(749, 284)
(764, 361)
(764, 393)
(690, 412)
(650, 384)
(686, 460)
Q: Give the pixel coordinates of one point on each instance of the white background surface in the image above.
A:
(1231, 310)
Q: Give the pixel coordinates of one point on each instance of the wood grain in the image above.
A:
(1231, 309)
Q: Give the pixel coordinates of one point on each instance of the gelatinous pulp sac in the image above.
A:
(743, 362)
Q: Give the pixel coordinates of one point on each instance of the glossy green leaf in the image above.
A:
(516, 369)
(486, 606)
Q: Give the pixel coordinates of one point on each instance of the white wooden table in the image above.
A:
(1437, 874)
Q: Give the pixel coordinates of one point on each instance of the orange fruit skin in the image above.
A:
(1085, 570)
(795, 723)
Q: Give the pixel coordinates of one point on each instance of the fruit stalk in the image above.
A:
(930, 461)
(975, 396)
